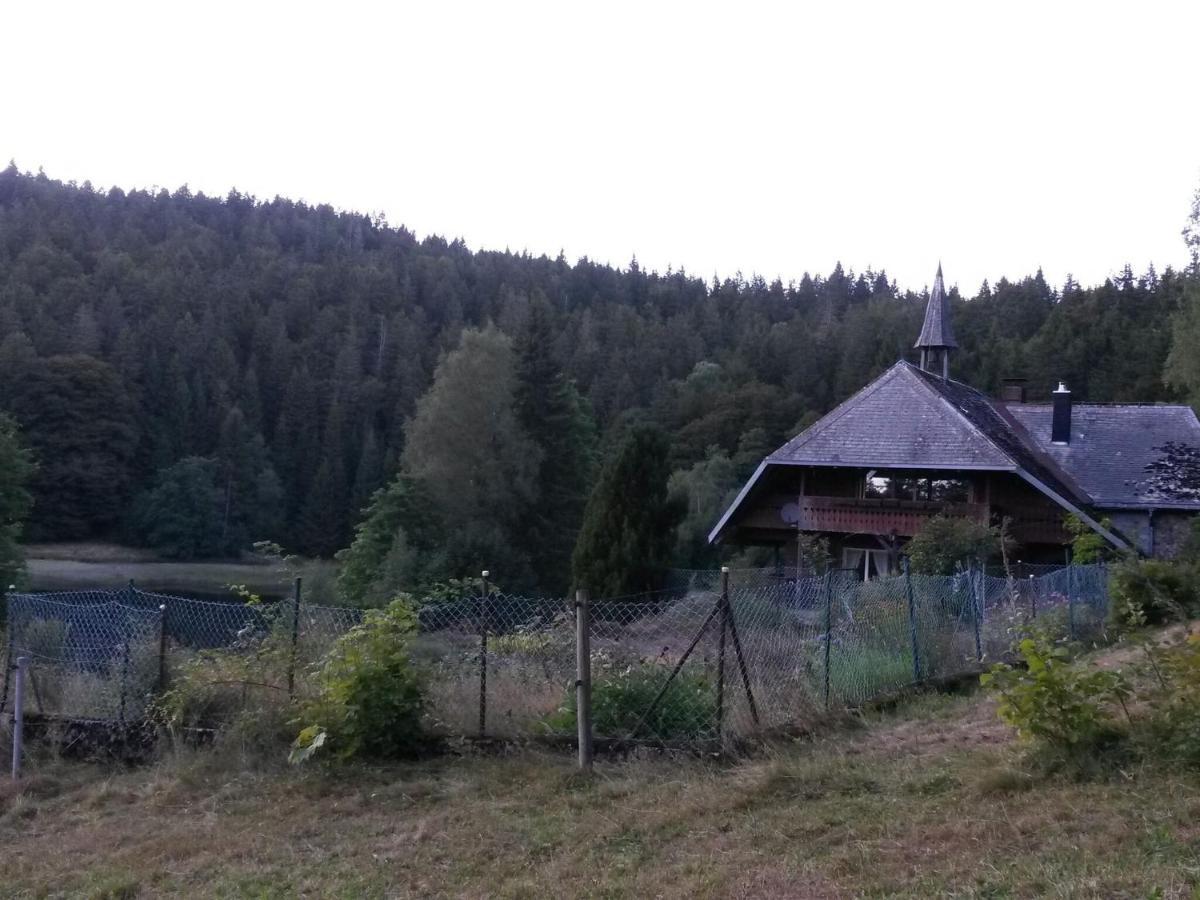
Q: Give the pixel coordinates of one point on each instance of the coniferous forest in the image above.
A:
(195, 374)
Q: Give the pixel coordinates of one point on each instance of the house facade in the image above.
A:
(914, 443)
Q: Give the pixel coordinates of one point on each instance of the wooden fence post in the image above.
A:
(583, 678)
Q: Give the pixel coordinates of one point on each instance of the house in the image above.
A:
(915, 443)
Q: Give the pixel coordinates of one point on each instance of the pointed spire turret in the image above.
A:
(937, 334)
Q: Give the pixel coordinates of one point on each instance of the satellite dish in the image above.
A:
(790, 513)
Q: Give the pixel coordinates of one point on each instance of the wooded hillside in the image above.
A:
(279, 349)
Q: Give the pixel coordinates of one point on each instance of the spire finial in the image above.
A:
(937, 334)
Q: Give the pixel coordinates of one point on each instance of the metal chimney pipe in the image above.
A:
(1060, 424)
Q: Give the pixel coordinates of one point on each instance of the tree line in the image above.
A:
(197, 373)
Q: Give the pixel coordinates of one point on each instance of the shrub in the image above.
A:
(621, 696)
(214, 688)
(1173, 728)
(370, 698)
(1053, 701)
(944, 544)
(1151, 592)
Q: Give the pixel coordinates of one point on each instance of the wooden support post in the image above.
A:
(583, 679)
(19, 717)
(483, 654)
(291, 673)
(912, 621)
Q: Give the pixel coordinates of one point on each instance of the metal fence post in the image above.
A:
(974, 595)
(483, 655)
(721, 653)
(162, 646)
(912, 620)
(8, 653)
(124, 679)
(1071, 601)
(19, 717)
(828, 630)
(1032, 598)
(291, 672)
(583, 679)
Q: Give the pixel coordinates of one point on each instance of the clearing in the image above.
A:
(85, 566)
(926, 800)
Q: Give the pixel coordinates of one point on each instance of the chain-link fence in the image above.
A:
(711, 661)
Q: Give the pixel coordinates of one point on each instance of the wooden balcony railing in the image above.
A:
(850, 515)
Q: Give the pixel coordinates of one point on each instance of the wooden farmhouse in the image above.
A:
(915, 443)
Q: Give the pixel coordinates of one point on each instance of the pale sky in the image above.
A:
(724, 137)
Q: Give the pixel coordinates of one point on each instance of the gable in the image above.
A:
(894, 422)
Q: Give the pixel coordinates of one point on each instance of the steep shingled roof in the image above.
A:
(937, 332)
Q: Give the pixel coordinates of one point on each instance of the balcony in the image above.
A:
(849, 515)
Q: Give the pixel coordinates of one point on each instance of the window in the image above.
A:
(868, 564)
(942, 490)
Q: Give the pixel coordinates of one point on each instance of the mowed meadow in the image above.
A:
(931, 798)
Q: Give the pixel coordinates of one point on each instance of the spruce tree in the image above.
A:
(554, 417)
(15, 501)
(629, 524)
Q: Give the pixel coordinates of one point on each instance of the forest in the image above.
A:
(197, 373)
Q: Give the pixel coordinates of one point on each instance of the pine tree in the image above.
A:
(15, 500)
(397, 546)
(552, 414)
(325, 513)
(628, 530)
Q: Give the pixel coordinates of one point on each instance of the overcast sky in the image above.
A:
(771, 139)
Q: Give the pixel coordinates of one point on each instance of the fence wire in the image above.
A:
(698, 664)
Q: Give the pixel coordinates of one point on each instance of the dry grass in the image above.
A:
(926, 801)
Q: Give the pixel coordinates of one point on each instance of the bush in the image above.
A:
(370, 698)
(1065, 707)
(944, 545)
(1152, 592)
(215, 688)
(621, 696)
(1173, 728)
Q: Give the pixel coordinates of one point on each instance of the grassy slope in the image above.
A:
(917, 805)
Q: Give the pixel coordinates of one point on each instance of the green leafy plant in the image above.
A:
(1051, 700)
(946, 544)
(1173, 726)
(369, 697)
(622, 695)
(1087, 546)
(1151, 592)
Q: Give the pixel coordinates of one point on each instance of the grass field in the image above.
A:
(927, 800)
(65, 567)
